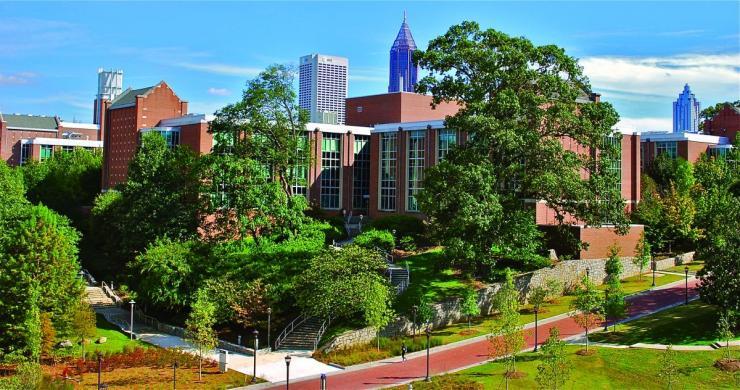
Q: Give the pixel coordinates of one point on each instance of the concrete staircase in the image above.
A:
(399, 278)
(304, 335)
(97, 298)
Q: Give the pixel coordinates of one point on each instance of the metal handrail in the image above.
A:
(289, 329)
(88, 276)
(320, 333)
(108, 291)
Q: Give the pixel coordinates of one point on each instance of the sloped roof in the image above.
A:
(29, 121)
(404, 39)
(128, 97)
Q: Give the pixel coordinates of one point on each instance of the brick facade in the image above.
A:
(395, 108)
(726, 123)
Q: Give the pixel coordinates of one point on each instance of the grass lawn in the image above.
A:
(116, 340)
(607, 369)
(694, 266)
(155, 378)
(427, 280)
(692, 324)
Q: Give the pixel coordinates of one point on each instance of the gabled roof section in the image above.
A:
(404, 39)
(128, 97)
(33, 122)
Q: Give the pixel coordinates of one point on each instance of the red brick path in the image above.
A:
(389, 373)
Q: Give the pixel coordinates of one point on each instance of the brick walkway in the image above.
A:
(461, 355)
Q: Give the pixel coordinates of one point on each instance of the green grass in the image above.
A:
(694, 267)
(389, 347)
(692, 324)
(117, 340)
(607, 369)
(427, 279)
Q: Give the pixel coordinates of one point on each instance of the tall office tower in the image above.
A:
(403, 71)
(322, 87)
(110, 85)
(686, 112)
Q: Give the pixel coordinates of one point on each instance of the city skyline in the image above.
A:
(637, 63)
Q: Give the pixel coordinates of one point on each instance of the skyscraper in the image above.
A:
(110, 85)
(402, 69)
(322, 87)
(686, 112)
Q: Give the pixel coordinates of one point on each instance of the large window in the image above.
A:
(361, 173)
(25, 152)
(615, 164)
(299, 172)
(46, 152)
(668, 147)
(446, 139)
(68, 149)
(331, 167)
(388, 151)
(415, 165)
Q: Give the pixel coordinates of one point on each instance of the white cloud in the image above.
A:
(225, 69)
(29, 35)
(218, 91)
(16, 78)
(709, 75)
(644, 124)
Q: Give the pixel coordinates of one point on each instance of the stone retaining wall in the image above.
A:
(568, 272)
(350, 338)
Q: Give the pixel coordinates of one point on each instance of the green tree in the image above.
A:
(377, 311)
(199, 326)
(725, 332)
(643, 254)
(588, 303)
(615, 305)
(260, 152)
(425, 311)
(470, 306)
(28, 375)
(507, 338)
(83, 324)
(554, 371)
(48, 335)
(164, 273)
(340, 282)
(669, 366)
(518, 101)
(538, 297)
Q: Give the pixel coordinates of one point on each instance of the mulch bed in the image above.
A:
(515, 374)
(584, 352)
(730, 365)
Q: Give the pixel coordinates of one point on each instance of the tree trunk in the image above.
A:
(587, 339)
(200, 365)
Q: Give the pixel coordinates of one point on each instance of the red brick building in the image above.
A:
(394, 108)
(726, 123)
(34, 137)
(155, 108)
(688, 146)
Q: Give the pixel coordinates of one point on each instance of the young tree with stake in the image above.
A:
(507, 338)
(199, 326)
(555, 368)
(470, 306)
(587, 304)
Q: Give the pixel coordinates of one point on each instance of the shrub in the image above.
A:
(372, 239)
(404, 225)
(369, 352)
(407, 243)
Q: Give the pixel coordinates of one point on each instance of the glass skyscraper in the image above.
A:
(686, 112)
(402, 70)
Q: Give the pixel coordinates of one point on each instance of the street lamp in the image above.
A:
(686, 271)
(269, 315)
(287, 372)
(100, 363)
(536, 310)
(323, 376)
(654, 267)
(256, 334)
(588, 273)
(174, 375)
(414, 309)
(132, 302)
(429, 333)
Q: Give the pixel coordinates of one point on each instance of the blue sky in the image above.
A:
(638, 55)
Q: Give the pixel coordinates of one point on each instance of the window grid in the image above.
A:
(446, 139)
(46, 152)
(415, 165)
(299, 173)
(615, 165)
(330, 170)
(361, 173)
(668, 147)
(388, 152)
(25, 152)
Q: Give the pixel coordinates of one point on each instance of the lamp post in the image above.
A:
(686, 271)
(323, 377)
(132, 302)
(588, 273)
(536, 310)
(269, 315)
(654, 267)
(287, 372)
(174, 375)
(429, 333)
(100, 363)
(606, 310)
(414, 309)
(256, 334)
